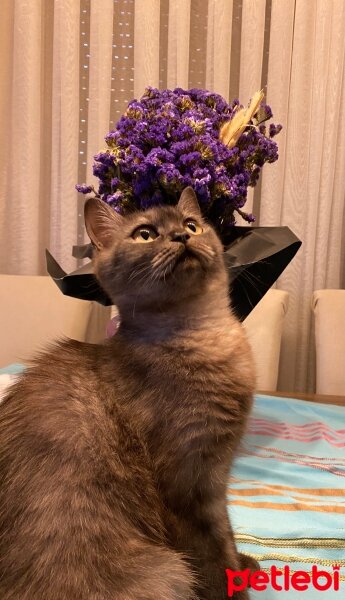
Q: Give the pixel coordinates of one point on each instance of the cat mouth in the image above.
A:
(190, 257)
(184, 258)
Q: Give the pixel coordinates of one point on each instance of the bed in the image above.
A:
(287, 490)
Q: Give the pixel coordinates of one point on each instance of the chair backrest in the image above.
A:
(34, 312)
(329, 313)
(264, 326)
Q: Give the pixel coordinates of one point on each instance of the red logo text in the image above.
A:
(282, 580)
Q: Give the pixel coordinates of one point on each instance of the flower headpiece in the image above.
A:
(171, 139)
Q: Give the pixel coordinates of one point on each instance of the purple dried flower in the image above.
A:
(189, 159)
(274, 129)
(169, 139)
(83, 189)
(115, 182)
(115, 198)
(268, 111)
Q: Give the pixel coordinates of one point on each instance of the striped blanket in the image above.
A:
(287, 492)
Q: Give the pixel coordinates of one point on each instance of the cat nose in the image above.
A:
(179, 236)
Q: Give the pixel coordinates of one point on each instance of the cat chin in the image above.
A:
(187, 260)
(194, 257)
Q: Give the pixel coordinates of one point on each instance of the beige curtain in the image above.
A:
(305, 189)
(69, 67)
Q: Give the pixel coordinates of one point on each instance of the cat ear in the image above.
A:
(101, 222)
(188, 203)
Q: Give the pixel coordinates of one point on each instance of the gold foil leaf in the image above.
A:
(232, 130)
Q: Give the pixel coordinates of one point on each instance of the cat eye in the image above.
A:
(144, 234)
(193, 227)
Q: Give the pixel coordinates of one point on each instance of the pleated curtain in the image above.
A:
(69, 67)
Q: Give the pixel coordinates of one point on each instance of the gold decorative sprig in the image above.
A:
(232, 130)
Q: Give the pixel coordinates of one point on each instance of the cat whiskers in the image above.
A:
(150, 272)
(91, 286)
(162, 256)
(204, 251)
(139, 273)
(164, 261)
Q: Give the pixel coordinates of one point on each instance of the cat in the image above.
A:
(114, 458)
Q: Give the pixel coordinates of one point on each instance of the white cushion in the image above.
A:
(329, 313)
(33, 312)
(264, 327)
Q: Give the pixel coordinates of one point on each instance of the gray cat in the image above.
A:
(114, 459)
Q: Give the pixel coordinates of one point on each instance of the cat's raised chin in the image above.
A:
(163, 266)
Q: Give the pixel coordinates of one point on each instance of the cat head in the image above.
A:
(151, 258)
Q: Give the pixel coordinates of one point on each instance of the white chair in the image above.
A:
(264, 327)
(329, 314)
(33, 312)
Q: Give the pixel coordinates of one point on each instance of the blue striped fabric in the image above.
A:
(12, 369)
(287, 491)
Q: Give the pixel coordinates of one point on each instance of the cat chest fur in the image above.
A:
(191, 400)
